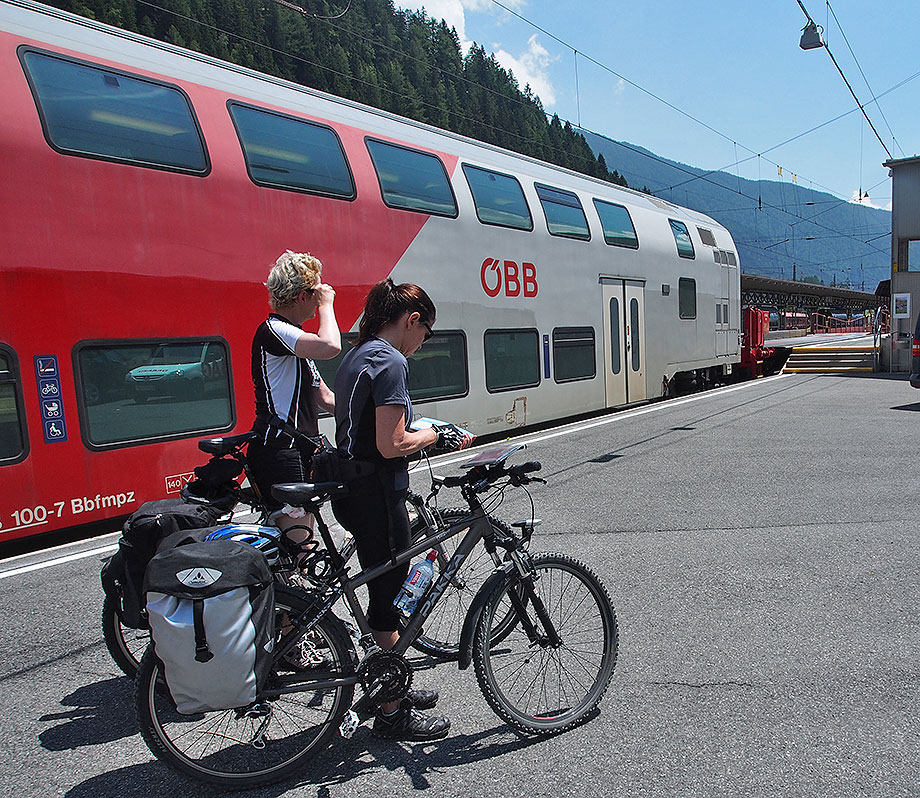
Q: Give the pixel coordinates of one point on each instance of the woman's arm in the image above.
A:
(326, 342)
(326, 397)
(393, 439)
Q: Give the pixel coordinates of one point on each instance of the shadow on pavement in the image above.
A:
(340, 764)
(97, 713)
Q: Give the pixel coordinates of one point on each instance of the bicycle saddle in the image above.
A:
(225, 444)
(301, 493)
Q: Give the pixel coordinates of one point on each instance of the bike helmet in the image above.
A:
(264, 538)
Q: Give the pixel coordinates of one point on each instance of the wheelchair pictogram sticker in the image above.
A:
(48, 378)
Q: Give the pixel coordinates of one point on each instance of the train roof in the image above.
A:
(633, 196)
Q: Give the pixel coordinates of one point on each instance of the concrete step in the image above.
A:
(830, 360)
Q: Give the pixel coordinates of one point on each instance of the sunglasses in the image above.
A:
(428, 334)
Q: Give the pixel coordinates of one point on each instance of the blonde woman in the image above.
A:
(289, 391)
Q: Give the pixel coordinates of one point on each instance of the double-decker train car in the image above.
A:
(148, 189)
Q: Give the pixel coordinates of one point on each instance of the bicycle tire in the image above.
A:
(536, 688)
(217, 747)
(126, 646)
(441, 634)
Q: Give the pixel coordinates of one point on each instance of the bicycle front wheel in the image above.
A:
(126, 645)
(551, 669)
(237, 749)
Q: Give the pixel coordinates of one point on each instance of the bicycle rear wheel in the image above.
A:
(535, 685)
(231, 749)
(126, 645)
(441, 634)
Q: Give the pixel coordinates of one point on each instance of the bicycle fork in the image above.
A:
(528, 576)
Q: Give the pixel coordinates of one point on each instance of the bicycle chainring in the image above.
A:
(387, 673)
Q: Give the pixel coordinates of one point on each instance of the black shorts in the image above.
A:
(375, 513)
(273, 465)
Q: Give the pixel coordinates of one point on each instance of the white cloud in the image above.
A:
(451, 11)
(531, 68)
(862, 198)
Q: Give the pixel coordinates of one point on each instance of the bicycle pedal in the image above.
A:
(349, 724)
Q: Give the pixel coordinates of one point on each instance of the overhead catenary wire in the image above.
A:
(677, 109)
(376, 43)
(865, 79)
(858, 103)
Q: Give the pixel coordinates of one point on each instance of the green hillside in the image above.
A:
(399, 61)
(781, 229)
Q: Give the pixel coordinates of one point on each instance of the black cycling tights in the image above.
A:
(376, 515)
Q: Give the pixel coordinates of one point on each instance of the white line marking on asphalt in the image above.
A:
(568, 429)
(623, 415)
(56, 561)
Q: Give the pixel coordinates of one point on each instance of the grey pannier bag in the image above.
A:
(211, 606)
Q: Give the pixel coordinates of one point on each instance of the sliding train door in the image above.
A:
(624, 340)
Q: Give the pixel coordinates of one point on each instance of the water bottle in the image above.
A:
(416, 584)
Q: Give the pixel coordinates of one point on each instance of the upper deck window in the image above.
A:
(706, 236)
(682, 238)
(564, 214)
(285, 152)
(412, 180)
(499, 198)
(104, 113)
(619, 230)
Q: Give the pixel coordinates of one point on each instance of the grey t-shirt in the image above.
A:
(372, 375)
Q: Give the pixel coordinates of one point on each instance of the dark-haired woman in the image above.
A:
(372, 413)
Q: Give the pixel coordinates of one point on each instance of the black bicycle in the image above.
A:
(541, 633)
(303, 565)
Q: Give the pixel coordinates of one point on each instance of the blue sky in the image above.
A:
(721, 84)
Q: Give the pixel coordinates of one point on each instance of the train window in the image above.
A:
(512, 359)
(289, 153)
(717, 255)
(682, 238)
(438, 370)
(13, 438)
(634, 339)
(615, 345)
(731, 258)
(573, 353)
(412, 180)
(97, 112)
(328, 368)
(686, 298)
(564, 214)
(137, 391)
(706, 236)
(617, 223)
(499, 199)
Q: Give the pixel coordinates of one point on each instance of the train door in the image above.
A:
(726, 326)
(624, 341)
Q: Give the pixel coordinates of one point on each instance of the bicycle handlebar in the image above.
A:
(484, 476)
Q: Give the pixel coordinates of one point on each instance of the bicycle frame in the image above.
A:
(477, 526)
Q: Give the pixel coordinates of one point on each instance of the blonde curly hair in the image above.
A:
(292, 273)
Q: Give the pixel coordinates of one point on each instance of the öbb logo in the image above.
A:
(516, 279)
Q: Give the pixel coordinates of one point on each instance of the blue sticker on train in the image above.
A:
(48, 378)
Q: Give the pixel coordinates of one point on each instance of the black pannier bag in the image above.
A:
(123, 574)
(211, 609)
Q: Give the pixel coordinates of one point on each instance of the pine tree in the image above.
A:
(402, 61)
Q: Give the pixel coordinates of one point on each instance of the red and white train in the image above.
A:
(147, 190)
